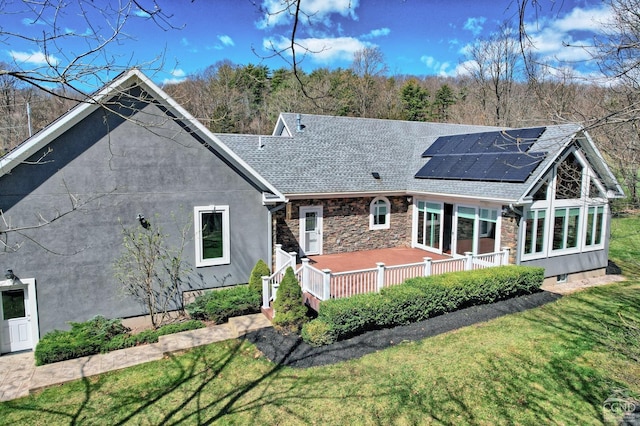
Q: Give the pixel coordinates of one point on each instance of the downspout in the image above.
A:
(270, 212)
(519, 237)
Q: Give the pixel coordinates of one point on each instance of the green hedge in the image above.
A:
(421, 298)
(99, 335)
(220, 305)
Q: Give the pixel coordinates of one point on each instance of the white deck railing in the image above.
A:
(270, 284)
(325, 284)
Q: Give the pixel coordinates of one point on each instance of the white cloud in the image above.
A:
(564, 39)
(39, 21)
(168, 81)
(226, 40)
(184, 41)
(35, 58)
(177, 76)
(317, 11)
(322, 50)
(378, 32)
(141, 13)
(177, 72)
(436, 67)
(584, 20)
(475, 25)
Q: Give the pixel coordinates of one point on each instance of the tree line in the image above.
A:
(504, 84)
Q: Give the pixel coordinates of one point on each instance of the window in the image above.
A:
(595, 228)
(428, 226)
(569, 179)
(534, 231)
(379, 216)
(565, 228)
(211, 224)
(487, 231)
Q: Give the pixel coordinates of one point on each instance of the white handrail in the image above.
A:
(326, 284)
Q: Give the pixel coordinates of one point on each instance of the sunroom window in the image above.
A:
(565, 228)
(429, 223)
(535, 231)
(595, 228)
(211, 225)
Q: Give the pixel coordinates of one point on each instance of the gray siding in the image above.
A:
(571, 263)
(121, 169)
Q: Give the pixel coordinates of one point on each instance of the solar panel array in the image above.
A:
(501, 156)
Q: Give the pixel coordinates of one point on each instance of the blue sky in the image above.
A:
(420, 37)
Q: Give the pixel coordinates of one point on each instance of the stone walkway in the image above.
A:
(19, 376)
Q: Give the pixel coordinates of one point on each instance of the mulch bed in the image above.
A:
(291, 351)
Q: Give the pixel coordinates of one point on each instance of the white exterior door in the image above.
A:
(16, 321)
(311, 230)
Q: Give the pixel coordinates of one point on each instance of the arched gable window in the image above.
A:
(379, 213)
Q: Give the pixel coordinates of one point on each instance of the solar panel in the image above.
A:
(498, 167)
(516, 140)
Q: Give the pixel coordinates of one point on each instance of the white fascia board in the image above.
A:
(61, 125)
(325, 195)
(598, 154)
(281, 123)
(550, 163)
(412, 193)
(274, 199)
(455, 198)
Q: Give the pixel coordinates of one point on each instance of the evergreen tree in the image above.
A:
(291, 313)
(444, 99)
(415, 101)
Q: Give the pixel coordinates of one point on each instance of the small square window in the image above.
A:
(211, 225)
(562, 278)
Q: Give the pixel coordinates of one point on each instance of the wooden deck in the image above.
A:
(342, 262)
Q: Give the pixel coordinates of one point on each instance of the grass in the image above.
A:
(554, 364)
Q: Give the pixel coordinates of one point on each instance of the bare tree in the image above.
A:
(368, 66)
(493, 65)
(58, 66)
(150, 270)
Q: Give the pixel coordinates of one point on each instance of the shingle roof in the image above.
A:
(338, 155)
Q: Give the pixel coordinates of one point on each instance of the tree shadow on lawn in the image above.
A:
(208, 384)
(573, 384)
(186, 389)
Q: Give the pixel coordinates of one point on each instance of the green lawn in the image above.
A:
(552, 365)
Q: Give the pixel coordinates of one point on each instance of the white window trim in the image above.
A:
(197, 224)
(534, 234)
(476, 229)
(579, 231)
(414, 228)
(387, 222)
(551, 204)
(603, 229)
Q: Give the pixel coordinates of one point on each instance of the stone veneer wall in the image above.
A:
(345, 225)
(509, 233)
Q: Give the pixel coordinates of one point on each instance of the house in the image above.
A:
(317, 185)
(356, 184)
(68, 191)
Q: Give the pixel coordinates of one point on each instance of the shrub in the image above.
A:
(318, 333)
(98, 335)
(290, 312)
(421, 298)
(84, 338)
(255, 279)
(220, 305)
(151, 336)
